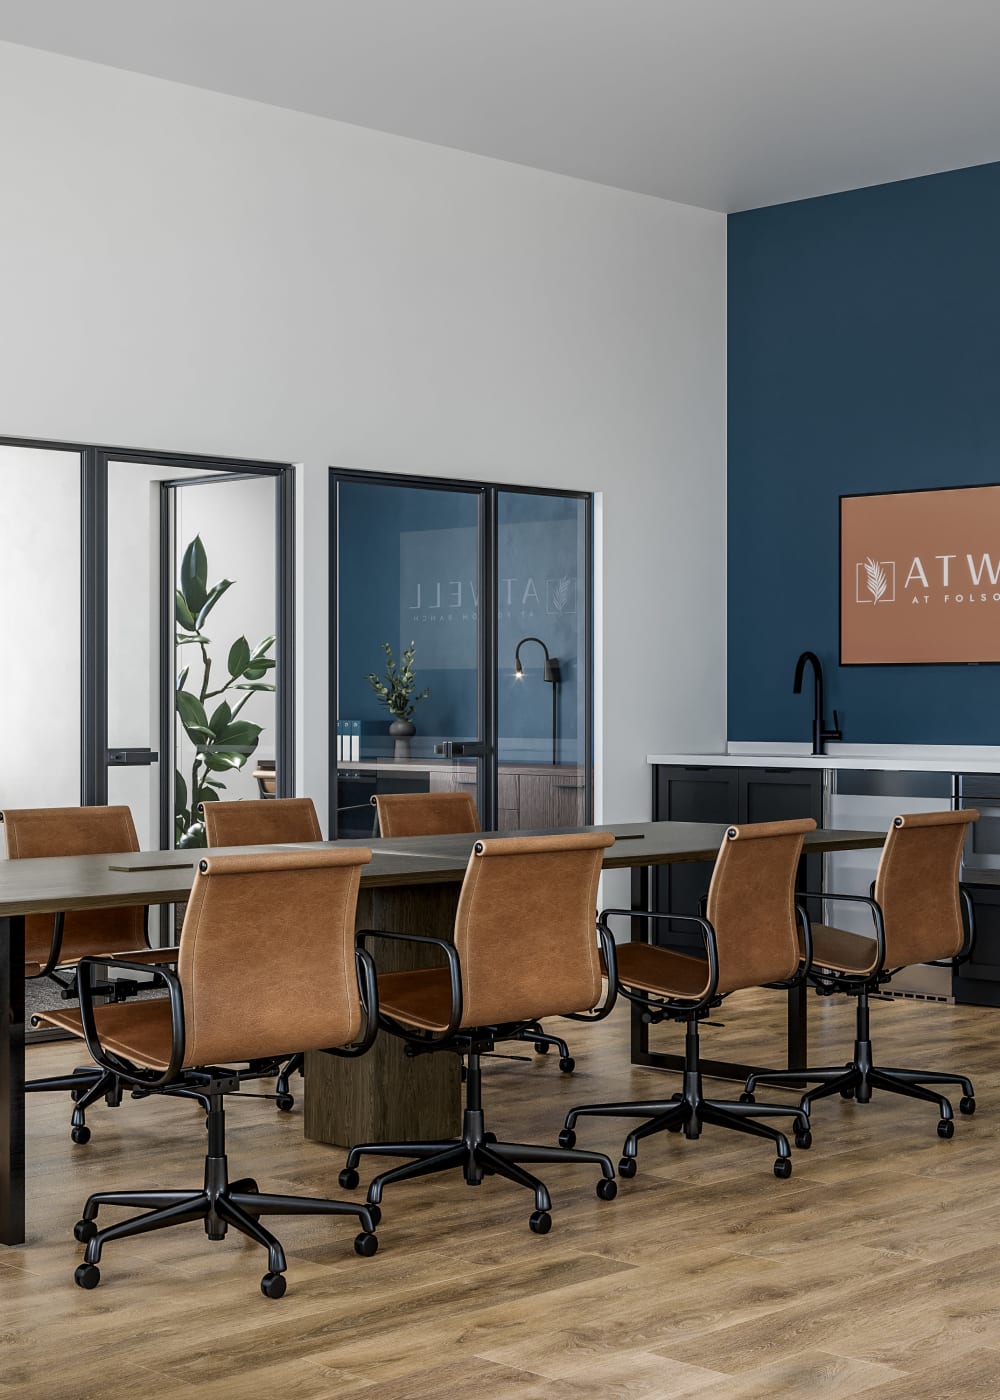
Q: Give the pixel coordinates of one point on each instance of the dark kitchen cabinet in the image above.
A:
(709, 793)
(977, 982)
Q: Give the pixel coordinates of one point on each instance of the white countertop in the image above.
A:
(918, 758)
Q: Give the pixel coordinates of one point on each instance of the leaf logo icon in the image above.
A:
(876, 579)
(560, 593)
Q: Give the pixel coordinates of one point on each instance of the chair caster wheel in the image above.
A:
(542, 1048)
(273, 1285)
(747, 1098)
(567, 1138)
(80, 1136)
(946, 1128)
(567, 1064)
(847, 1093)
(246, 1185)
(77, 1094)
(285, 1102)
(540, 1222)
(607, 1189)
(348, 1179)
(804, 1140)
(967, 1104)
(782, 1168)
(489, 1137)
(627, 1167)
(87, 1276)
(84, 1231)
(376, 1214)
(365, 1244)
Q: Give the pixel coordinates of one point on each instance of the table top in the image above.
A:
(49, 884)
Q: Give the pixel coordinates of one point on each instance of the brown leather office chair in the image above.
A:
(272, 823)
(239, 993)
(425, 813)
(55, 943)
(525, 947)
(449, 814)
(917, 918)
(751, 940)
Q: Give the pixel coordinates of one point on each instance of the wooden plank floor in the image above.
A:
(875, 1270)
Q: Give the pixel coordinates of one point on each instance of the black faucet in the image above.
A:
(819, 734)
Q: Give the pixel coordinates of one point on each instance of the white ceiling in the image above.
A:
(729, 104)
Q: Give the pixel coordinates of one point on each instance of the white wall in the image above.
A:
(183, 270)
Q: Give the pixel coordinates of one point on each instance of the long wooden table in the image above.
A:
(410, 886)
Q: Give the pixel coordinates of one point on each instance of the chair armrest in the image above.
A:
(711, 950)
(610, 958)
(149, 1078)
(55, 946)
(454, 973)
(368, 988)
(876, 909)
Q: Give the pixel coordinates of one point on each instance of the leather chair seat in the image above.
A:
(421, 998)
(662, 971)
(139, 1030)
(841, 951)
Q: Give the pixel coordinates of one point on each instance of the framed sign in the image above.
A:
(920, 577)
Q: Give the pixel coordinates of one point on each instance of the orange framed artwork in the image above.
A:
(920, 577)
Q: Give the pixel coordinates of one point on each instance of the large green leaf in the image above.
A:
(221, 717)
(221, 760)
(254, 685)
(192, 711)
(258, 667)
(239, 656)
(184, 614)
(182, 678)
(264, 646)
(180, 795)
(194, 573)
(240, 735)
(210, 602)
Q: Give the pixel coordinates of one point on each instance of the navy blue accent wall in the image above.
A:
(864, 355)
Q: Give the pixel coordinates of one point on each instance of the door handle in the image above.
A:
(131, 758)
(462, 748)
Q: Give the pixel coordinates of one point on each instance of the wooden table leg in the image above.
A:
(384, 1096)
(12, 1080)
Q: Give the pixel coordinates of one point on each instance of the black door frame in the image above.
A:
(488, 662)
(94, 461)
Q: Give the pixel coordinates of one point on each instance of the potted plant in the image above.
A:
(395, 690)
(221, 741)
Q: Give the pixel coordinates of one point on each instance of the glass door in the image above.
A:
(413, 623)
(192, 620)
(482, 595)
(544, 660)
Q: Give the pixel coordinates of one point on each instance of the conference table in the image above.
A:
(410, 886)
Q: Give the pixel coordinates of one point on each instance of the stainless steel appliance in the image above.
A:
(982, 848)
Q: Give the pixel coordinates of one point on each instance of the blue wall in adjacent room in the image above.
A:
(863, 356)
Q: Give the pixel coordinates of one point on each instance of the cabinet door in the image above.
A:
(508, 813)
(537, 809)
(977, 982)
(689, 793)
(781, 795)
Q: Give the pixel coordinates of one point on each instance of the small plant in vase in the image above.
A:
(395, 690)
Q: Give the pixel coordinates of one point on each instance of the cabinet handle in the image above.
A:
(775, 770)
(696, 767)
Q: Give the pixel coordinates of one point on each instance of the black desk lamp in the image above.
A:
(551, 674)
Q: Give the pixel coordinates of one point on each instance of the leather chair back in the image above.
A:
(266, 960)
(917, 886)
(425, 813)
(525, 930)
(75, 831)
(261, 823)
(751, 903)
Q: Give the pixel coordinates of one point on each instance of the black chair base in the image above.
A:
(220, 1203)
(478, 1154)
(86, 1085)
(543, 1043)
(282, 1088)
(689, 1111)
(857, 1079)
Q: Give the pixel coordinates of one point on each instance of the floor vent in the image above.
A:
(914, 996)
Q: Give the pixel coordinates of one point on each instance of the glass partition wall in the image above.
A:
(442, 592)
(151, 626)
